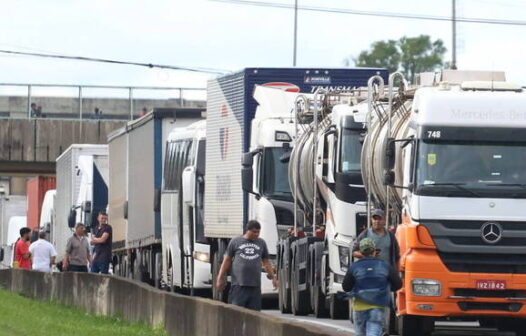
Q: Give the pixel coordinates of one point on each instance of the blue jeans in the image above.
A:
(100, 267)
(369, 322)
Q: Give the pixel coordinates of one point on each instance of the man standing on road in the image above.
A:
(370, 281)
(77, 251)
(22, 254)
(387, 247)
(102, 241)
(43, 254)
(246, 254)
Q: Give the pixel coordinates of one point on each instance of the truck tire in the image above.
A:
(300, 299)
(392, 322)
(318, 303)
(338, 309)
(284, 292)
(317, 280)
(216, 265)
(411, 325)
(157, 266)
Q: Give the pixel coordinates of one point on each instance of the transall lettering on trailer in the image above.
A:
(330, 88)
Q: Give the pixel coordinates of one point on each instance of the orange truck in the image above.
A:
(448, 160)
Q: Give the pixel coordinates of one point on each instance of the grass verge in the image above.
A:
(23, 316)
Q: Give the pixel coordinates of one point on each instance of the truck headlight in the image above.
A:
(344, 257)
(202, 256)
(426, 287)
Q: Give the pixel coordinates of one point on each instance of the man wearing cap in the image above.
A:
(387, 247)
(370, 281)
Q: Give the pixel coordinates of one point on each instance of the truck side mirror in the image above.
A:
(247, 179)
(247, 173)
(189, 185)
(72, 218)
(2, 254)
(390, 154)
(157, 200)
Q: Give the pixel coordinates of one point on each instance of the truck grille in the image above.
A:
(462, 249)
(477, 293)
(484, 262)
(510, 307)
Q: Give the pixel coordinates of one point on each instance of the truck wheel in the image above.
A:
(392, 323)
(216, 265)
(411, 325)
(157, 270)
(318, 302)
(284, 292)
(338, 309)
(300, 299)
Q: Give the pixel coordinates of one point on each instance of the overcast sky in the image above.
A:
(201, 33)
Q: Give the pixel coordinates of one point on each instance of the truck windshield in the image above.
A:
(351, 149)
(472, 169)
(275, 175)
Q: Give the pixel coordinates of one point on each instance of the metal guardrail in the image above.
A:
(81, 113)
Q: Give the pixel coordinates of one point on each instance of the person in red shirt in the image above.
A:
(22, 254)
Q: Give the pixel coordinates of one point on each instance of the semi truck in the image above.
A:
(136, 155)
(185, 249)
(82, 191)
(447, 163)
(324, 173)
(261, 129)
(13, 209)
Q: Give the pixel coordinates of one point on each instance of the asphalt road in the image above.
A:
(441, 329)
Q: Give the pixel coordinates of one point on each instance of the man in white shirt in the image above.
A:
(43, 254)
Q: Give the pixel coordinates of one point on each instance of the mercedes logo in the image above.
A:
(491, 232)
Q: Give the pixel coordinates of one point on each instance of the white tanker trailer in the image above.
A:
(329, 197)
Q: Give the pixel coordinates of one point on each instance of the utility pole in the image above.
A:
(295, 32)
(454, 37)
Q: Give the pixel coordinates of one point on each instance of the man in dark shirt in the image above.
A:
(102, 241)
(246, 255)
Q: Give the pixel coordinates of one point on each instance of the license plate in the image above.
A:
(491, 284)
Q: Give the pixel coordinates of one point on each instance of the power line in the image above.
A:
(103, 60)
(375, 13)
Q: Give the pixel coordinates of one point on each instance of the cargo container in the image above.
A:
(135, 176)
(36, 190)
(82, 191)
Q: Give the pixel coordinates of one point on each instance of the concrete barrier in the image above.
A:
(136, 302)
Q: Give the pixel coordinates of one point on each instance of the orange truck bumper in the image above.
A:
(426, 264)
